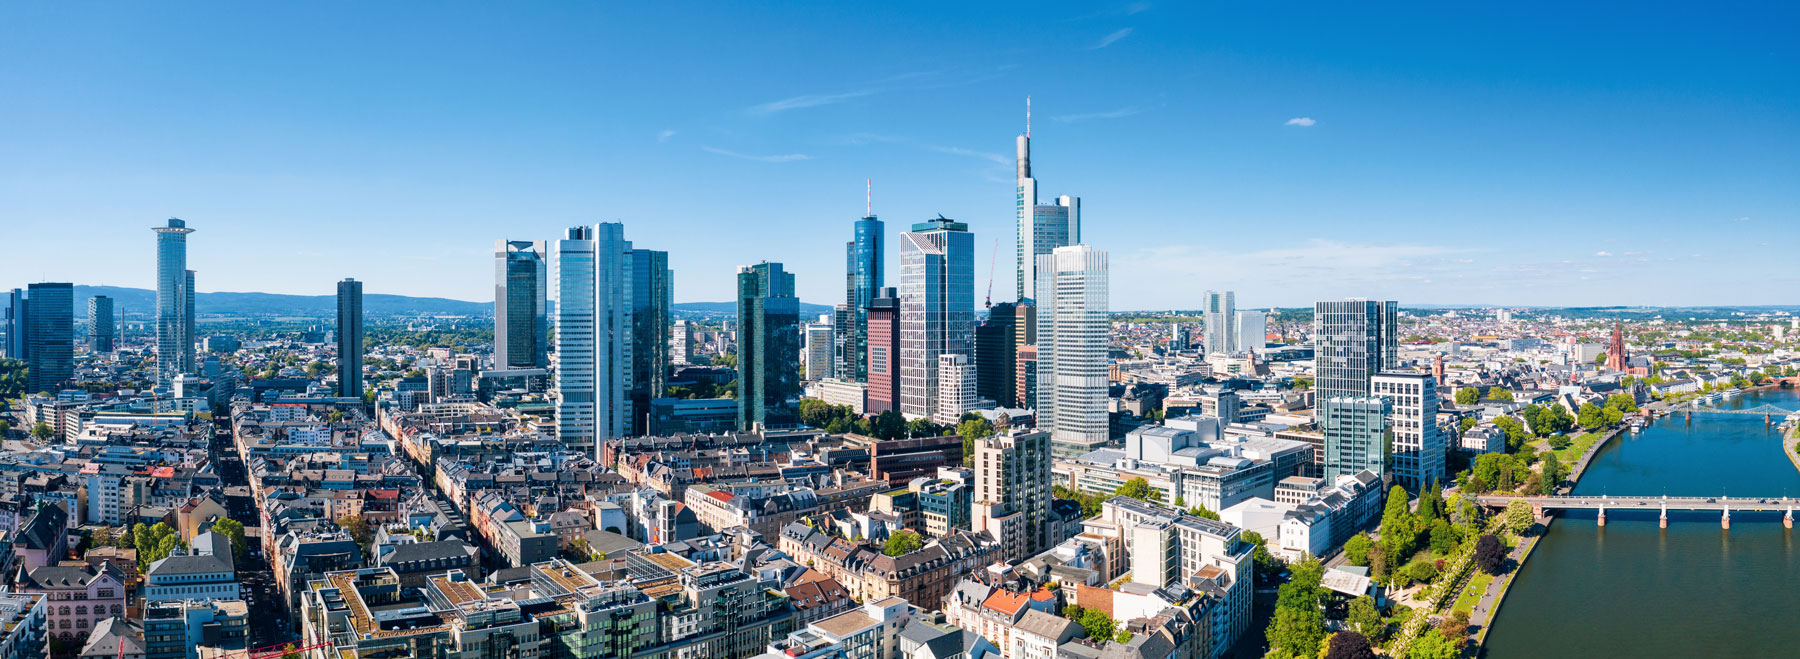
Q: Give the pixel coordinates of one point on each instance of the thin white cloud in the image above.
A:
(807, 101)
(1110, 114)
(1742, 219)
(789, 157)
(1137, 8)
(1602, 253)
(1300, 121)
(665, 135)
(956, 150)
(1111, 39)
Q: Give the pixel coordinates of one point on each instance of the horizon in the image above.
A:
(1291, 155)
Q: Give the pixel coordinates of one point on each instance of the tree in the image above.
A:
(1266, 564)
(1490, 554)
(901, 543)
(1518, 517)
(971, 430)
(42, 432)
(1622, 402)
(1500, 394)
(1138, 488)
(1397, 531)
(1590, 416)
(1201, 511)
(1432, 646)
(233, 530)
(1431, 503)
(1296, 633)
(1422, 571)
(1097, 624)
(1349, 645)
(1466, 423)
(360, 530)
(1364, 618)
(1443, 538)
(1356, 549)
(1552, 473)
(1467, 396)
(153, 543)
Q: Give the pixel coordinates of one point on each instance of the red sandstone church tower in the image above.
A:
(1615, 351)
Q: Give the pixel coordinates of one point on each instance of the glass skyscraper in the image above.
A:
(863, 278)
(1042, 227)
(995, 344)
(652, 286)
(1353, 340)
(768, 346)
(1221, 319)
(100, 324)
(50, 337)
(521, 325)
(592, 280)
(1072, 349)
(350, 338)
(937, 307)
(174, 303)
(17, 315)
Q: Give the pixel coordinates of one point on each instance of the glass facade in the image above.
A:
(50, 337)
(100, 325)
(174, 303)
(521, 326)
(1353, 340)
(864, 275)
(1072, 346)
(350, 338)
(937, 307)
(652, 286)
(768, 346)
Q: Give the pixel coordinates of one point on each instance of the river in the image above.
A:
(1632, 589)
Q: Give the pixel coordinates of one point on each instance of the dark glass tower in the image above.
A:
(350, 338)
(651, 291)
(50, 337)
(174, 302)
(995, 346)
(863, 278)
(100, 324)
(768, 346)
(1353, 340)
(521, 326)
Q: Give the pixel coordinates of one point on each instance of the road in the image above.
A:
(267, 616)
(1776, 504)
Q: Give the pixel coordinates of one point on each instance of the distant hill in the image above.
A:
(142, 303)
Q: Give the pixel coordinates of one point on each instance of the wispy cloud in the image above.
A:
(1137, 8)
(788, 157)
(956, 150)
(1110, 114)
(1111, 39)
(1602, 253)
(1300, 121)
(1742, 219)
(665, 135)
(807, 101)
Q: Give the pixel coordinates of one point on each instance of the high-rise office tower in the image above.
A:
(995, 346)
(591, 281)
(50, 337)
(937, 307)
(1042, 227)
(768, 346)
(1251, 331)
(884, 352)
(652, 291)
(1419, 449)
(174, 303)
(1012, 493)
(350, 338)
(16, 318)
(1072, 348)
(957, 380)
(1027, 376)
(1178, 337)
(521, 323)
(1025, 336)
(681, 342)
(1221, 315)
(864, 275)
(1353, 340)
(100, 324)
(816, 353)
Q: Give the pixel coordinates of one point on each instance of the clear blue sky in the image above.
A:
(1508, 153)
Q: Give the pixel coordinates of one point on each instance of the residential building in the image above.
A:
(207, 571)
(1072, 348)
(50, 337)
(591, 281)
(884, 352)
(1220, 318)
(1419, 447)
(1012, 492)
(996, 346)
(101, 327)
(174, 303)
(350, 338)
(79, 598)
(521, 323)
(23, 624)
(1172, 548)
(413, 561)
(768, 346)
(681, 342)
(937, 307)
(869, 632)
(1353, 340)
(957, 384)
(114, 637)
(998, 614)
(1027, 376)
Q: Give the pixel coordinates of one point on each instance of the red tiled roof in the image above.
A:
(721, 496)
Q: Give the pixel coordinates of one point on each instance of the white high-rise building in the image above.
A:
(956, 389)
(1042, 227)
(1251, 332)
(681, 342)
(1072, 348)
(1221, 318)
(1419, 449)
(816, 355)
(592, 286)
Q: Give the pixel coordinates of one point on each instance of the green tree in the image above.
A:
(1590, 416)
(42, 431)
(1467, 396)
(1266, 563)
(1202, 512)
(1500, 394)
(233, 530)
(1363, 617)
(971, 430)
(360, 530)
(1397, 530)
(1299, 623)
(1466, 423)
(1432, 645)
(1518, 517)
(1097, 624)
(1138, 488)
(1356, 549)
(1443, 538)
(1552, 473)
(901, 543)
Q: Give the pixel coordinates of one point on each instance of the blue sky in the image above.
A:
(1513, 153)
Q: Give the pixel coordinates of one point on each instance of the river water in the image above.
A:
(1632, 589)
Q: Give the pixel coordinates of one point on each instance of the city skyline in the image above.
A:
(1256, 145)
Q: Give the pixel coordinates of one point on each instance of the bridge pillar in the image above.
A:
(1725, 522)
(1601, 521)
(1788, 519)
(1664, 520)
(1689, 416)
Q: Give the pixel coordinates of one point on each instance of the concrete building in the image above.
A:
(1251, 331)
(205, 572)
(937, 308)
(681, 342)
(854, 395)
(884, 352)
(1221, 322)
(768, 347)
(1012, 492)
(79, 598)
(1072, 348)
(1419, 448)
(24, 620)
(816, 352)
(957, 384)
(1171, 548)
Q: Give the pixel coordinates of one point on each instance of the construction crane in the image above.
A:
(275, 651)
(992, 262)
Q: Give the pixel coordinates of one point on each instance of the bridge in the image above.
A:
(1760, 410)
(1663, 504)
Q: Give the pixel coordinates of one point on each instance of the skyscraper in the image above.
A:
(995, 347)
(768, 346)
(17, 318)
(1251, 331)
(1221, 315)
(100, 324)
(937, 307)
(591, 280)
(1072, 348)
(816, 351)
(884, 352)
(956, 389)
(864, 275)
(1353, 340)
(521, 323)
(50, 337)
(1012, 493)
(652, 286)
(1025, 338)
(1042, 228)
(1418, 447)
(174, 303)
(350, 338)
(681, 342)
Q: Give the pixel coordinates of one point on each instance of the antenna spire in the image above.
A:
(1028, 115)
(869, 210)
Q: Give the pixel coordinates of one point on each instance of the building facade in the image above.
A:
(937, 307)
(864, 276)
(1353, 340)
(768, 346)
(174, 303)
(884, 352)
(1220, 318)
(100, 324)
(1419, 447)
(1012, 492)
(50, 337)
(521, 285)
(1072, 347)
(652, 291)
(350, 338)
(592, 284)
(995, 349)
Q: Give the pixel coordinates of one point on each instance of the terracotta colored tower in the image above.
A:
(1437, 369)
(1615, 351)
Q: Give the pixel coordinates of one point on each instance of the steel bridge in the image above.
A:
(1663, 504)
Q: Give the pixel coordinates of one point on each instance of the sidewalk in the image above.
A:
(1482, 616)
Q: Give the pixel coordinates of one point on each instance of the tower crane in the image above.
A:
(992, 262)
